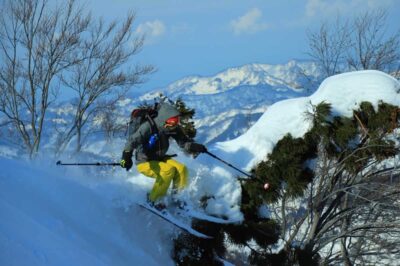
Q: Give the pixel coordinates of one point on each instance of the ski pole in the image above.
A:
(87, 164)
(266, 185)
(230, 165)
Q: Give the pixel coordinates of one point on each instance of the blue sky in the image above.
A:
(204, 37)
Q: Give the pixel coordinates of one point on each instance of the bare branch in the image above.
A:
(103, 76)
(356, 45)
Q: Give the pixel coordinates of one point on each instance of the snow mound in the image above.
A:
(344, 92)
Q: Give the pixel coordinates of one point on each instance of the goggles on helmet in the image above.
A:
(172, 122)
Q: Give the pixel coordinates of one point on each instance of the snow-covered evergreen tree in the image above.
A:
(327, 203)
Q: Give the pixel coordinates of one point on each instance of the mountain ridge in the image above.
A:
(288, 75)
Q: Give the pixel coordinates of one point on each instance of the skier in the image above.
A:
(151, 142)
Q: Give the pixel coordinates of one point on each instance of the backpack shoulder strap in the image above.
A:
(153, 125)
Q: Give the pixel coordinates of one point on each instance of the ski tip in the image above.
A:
(58, 162)
(174, 221)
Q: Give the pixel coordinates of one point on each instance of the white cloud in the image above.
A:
(152, 29)
(249, 23)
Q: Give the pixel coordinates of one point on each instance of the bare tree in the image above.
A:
(356, 212)
(103, 76)
(44, 48)
(360, 44)
(36, 45)
(328, 46)
(344, 218)
(111, 123)
(348, 216)
(372, 49)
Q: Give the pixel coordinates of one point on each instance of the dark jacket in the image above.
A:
(138, 141)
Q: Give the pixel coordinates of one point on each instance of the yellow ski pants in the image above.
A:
(164, 172)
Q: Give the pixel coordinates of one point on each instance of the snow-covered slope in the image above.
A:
(48, 218)
(344, 92)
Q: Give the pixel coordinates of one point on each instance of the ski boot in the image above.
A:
(176, 201)
(158, 205)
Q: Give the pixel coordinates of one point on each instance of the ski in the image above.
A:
(167, 216)
(186, 211)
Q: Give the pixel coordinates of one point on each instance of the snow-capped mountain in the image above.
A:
(280, 77)
(228, 103)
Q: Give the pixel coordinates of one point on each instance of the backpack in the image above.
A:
(141, 115)
(146, 113)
